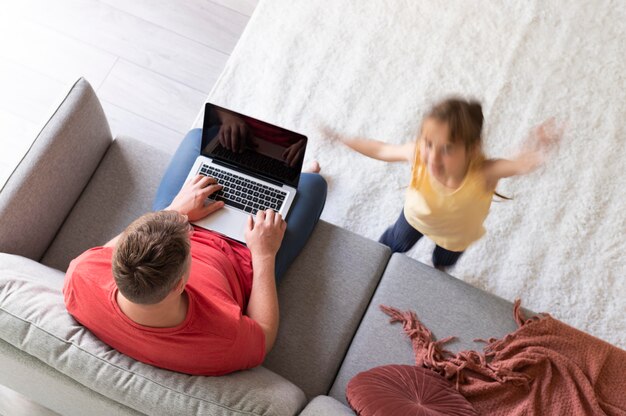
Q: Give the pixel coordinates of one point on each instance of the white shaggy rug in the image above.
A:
(373, 68)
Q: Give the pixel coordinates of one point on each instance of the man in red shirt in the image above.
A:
(180, 297)
(185, 298)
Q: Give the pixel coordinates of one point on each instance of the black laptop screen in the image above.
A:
(252, 146)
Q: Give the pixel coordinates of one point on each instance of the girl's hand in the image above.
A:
(545, 136)
(541, 140)
(334, 137)
(329, 132)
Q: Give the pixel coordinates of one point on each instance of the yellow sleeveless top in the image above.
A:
(452, 218)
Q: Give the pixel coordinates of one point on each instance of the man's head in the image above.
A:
(152, 256)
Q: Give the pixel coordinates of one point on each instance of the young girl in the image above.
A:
(452, 183)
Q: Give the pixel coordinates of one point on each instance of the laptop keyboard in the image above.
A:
(242, 193)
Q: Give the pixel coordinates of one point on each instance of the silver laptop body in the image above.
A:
(258, 164)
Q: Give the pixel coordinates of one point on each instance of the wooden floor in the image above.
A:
(14, 404)
(151, 62)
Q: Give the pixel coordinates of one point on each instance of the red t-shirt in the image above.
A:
(215, 338)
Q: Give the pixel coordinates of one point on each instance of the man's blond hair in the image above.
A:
(151, 256)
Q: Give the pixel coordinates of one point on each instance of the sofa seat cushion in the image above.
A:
(444, 304)
(44, 385)
(18, 266)
(33, 319)
(323, 297)
(326, 406)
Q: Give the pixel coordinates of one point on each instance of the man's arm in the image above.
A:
(234, 132)
(190, 201)
(263, 237)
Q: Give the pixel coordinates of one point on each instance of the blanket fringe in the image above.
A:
(494, 345)
(431, 354)
(518, 315)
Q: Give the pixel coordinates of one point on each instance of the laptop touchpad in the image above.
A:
(226, 221)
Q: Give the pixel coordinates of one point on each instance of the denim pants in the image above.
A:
(303, 215)
(401, 236)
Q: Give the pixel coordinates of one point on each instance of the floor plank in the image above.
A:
(26, 93)
(126, 123)
(129, 37)
(151, 96)
(245, 7)
(5, 172)
(15, 404)
(16, 136)
(206, 22)
(56, 55)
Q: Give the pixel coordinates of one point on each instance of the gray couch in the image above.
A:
(77, 187)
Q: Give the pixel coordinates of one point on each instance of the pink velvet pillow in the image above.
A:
(405, 390)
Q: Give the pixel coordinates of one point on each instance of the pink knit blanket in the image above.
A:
(545, 367)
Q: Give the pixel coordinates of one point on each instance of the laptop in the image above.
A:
(257, 163)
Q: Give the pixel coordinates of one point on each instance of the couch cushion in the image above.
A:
(322, 299)
(28, 269)
(45, 185)
(446, 305)
(33, 319)
(121, 190)
(325, 406)
(46, 386)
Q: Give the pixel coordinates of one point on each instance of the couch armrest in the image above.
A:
(41, 191)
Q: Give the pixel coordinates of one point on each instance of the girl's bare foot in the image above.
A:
(314, 167)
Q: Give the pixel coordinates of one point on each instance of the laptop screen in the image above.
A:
(252, 146)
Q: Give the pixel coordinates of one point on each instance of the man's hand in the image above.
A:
(293, 153)
(265, 233)
(234, 132)
(192, 198)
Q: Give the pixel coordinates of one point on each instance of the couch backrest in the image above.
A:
(44, 187)
(121, 189)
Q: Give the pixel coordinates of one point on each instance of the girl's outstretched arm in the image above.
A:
(373, 148)
(542, 139)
